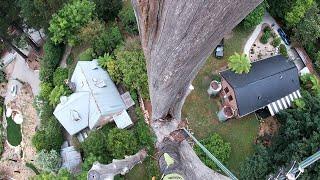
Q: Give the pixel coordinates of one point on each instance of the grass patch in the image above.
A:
(201, 110)
(14, 136)
(33, 168)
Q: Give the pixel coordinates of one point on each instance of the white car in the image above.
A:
(13, 90)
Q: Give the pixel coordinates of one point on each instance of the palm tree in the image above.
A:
(239, 63)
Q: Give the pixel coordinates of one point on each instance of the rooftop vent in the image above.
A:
(75, 115)
(101, 83)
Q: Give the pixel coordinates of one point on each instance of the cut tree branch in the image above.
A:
(107, 172)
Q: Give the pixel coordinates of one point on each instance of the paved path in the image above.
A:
(18, 70)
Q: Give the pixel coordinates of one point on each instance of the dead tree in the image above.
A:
(177, 37)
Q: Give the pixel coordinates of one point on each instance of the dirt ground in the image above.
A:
(14, 158)
(268, 126)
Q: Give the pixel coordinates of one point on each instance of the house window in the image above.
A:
(230, 98)
(226, 89)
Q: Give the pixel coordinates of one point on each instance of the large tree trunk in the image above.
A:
(177, 37)
(8, 43)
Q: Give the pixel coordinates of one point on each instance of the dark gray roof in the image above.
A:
(268, 80)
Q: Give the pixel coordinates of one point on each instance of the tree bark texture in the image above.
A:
(177, 37)
(107, 172)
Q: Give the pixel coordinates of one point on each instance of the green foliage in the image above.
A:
(37, 14)
(95, 145)
(67, 22)
(1, 139)
(109, 63)
(143, 133)
(283, 50)
(255, 17)
(132, 65)
(45, 90)
(90, 159)
(14, 135)
(276, 42)
(266, 35)
(57, 92)
(92, 30)
(49, 136)
(298, 137)
(50, 60)
(299, 103)
(308, 29)
(128, 20)
(108, 9)
(297, 11)
(107, 41)
(239, 63)
(86, 55)
(63, 174)
(33, 168)
(48, 161)
(121, 142)
(220, 149)
(3, 76)
(59, 76)
(311, 82)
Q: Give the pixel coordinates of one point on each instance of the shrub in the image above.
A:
(91, 30)
(1, 139)
(107, 41)
(86, 55)
(59, 76)
(283, 50)
(109, 63)
(48, 161)
(255, 17)
(121, 142)
(108, 9)
(66, 23)
(3, 76)
(89, 160)
(95, 145)
(143, 134)
(276, 42)
(265, 38)
(216, 146)
(45, 90)
(14, 135)
(239, 63)
(49, 137)
(128, 20)
(50, 60)
(57, 92)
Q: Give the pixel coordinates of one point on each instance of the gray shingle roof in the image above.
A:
(268, 80)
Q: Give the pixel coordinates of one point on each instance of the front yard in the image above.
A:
(201, 110)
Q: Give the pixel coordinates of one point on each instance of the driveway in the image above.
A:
(268, 19)
(18, 71)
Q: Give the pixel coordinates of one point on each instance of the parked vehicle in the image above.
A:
(13, 90)
(219, 50)
(284, 37)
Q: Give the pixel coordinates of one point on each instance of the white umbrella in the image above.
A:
(18, 119)
(9, 112)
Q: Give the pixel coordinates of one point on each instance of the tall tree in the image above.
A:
(38, 13)
(108, 9)
(177, 37)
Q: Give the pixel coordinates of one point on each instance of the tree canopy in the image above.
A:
(239, 63)
(66, 24)
(256, 16)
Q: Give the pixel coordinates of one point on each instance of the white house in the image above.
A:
(95, 102)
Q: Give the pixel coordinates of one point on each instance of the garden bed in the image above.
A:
(14, 135)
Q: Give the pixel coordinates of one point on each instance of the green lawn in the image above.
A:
(201, 110)
(14, 136)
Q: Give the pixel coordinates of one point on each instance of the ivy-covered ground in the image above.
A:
(201, 110)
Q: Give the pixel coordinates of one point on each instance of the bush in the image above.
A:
(265, 38)
(59, 76)
(50, 60)
(45, 90)
(143, 133)
(48, 161)
(86, 55)
(276, 42)
(91, 30)
(107, 41)
(128, 20)
(108, 9)
(57, 92)
(109, 63)
(216, 146)
(283, 50)
(49, 137)
(14, 135)
(95, 145)
(3, 76)
(1, 139)
(255, 17)
(121, 142)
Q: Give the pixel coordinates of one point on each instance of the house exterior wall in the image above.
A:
(224, 95)
(105, 119)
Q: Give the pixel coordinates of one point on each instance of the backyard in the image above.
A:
(200, 109)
